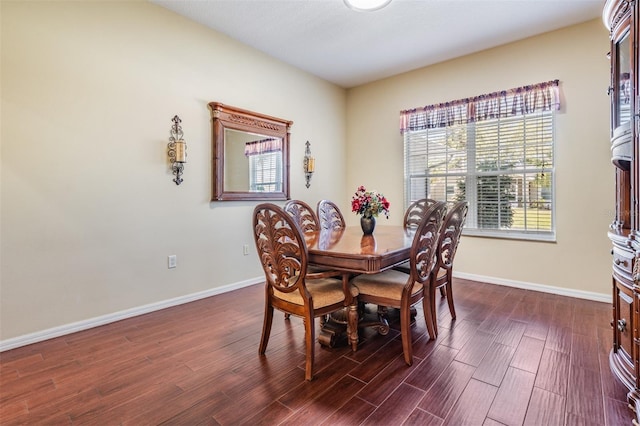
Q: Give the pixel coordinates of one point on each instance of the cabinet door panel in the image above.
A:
(624, 325)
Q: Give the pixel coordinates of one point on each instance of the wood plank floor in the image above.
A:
(512, 357)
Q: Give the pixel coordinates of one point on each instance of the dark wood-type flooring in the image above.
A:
(513, 357)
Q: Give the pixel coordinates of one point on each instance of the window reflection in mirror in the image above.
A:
(253, 162)
(265, 172)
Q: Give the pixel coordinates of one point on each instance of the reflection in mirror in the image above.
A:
(329, 237)
(251, 155)
(368, 244)
(621, 137)
(624, 82)
(252, 162)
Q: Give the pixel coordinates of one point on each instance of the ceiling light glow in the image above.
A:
(366, 5)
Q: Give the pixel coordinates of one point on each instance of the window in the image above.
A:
(265, 172)
(496, 152)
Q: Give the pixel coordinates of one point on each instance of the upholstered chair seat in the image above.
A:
(324, 292)
(389, 284)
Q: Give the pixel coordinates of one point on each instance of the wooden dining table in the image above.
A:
(350, 251)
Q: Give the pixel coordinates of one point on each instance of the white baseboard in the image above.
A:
(62, 330)
(598, 297)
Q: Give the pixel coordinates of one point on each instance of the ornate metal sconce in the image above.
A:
(177, 150)
(309, 164)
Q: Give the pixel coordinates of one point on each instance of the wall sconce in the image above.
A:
(309, 164)
(177, 150)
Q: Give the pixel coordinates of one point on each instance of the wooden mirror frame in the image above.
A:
(227, 117)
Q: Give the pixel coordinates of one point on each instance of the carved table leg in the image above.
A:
(352, 325)
(380, 323)
(333, 328)
(327, 337)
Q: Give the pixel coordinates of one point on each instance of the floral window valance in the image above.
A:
(506, 103)
(262, 146)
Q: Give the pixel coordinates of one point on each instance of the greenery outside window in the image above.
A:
(499, 158)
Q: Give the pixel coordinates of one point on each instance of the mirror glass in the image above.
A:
(252, 162)
(623, 92)
(251, 155)
(621, 135)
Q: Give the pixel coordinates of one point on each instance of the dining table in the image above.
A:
(352, 252)
(348, 249)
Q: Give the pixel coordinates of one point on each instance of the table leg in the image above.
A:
(352, 325)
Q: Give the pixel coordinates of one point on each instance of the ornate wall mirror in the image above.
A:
(250, 155)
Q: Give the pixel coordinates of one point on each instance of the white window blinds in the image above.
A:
(265, 172)
(502, 164)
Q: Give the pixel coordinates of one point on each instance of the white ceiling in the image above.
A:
(349, 48)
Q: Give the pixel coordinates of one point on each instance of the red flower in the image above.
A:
(369, 203)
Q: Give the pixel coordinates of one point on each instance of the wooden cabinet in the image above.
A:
(621, 18)
(623, 352)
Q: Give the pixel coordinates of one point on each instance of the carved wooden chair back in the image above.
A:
(415, 212)
(450, 235)
(329, 215)
(303, 215)
(282, 251)
(422, 259)
(412, 218)
(307, 221)
(447, 247)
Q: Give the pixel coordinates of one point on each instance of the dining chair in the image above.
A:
(396, 289)
(307, 221)
(303, 215)
(415, 212)
(412, 218)
(330, 220)
(447, 246)
(289, 287)
(329, 215)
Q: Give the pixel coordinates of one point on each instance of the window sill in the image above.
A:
(546, 237)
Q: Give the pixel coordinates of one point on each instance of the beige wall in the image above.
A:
(580, 260)
(88, 209)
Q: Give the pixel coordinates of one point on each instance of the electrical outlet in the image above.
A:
(245, 249)
(173, 261)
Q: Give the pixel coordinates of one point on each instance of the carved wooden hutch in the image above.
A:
(621, 18)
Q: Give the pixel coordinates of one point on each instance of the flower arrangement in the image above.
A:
(369, 203)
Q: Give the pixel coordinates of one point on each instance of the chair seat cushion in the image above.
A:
(325, 292)
(387, 284)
